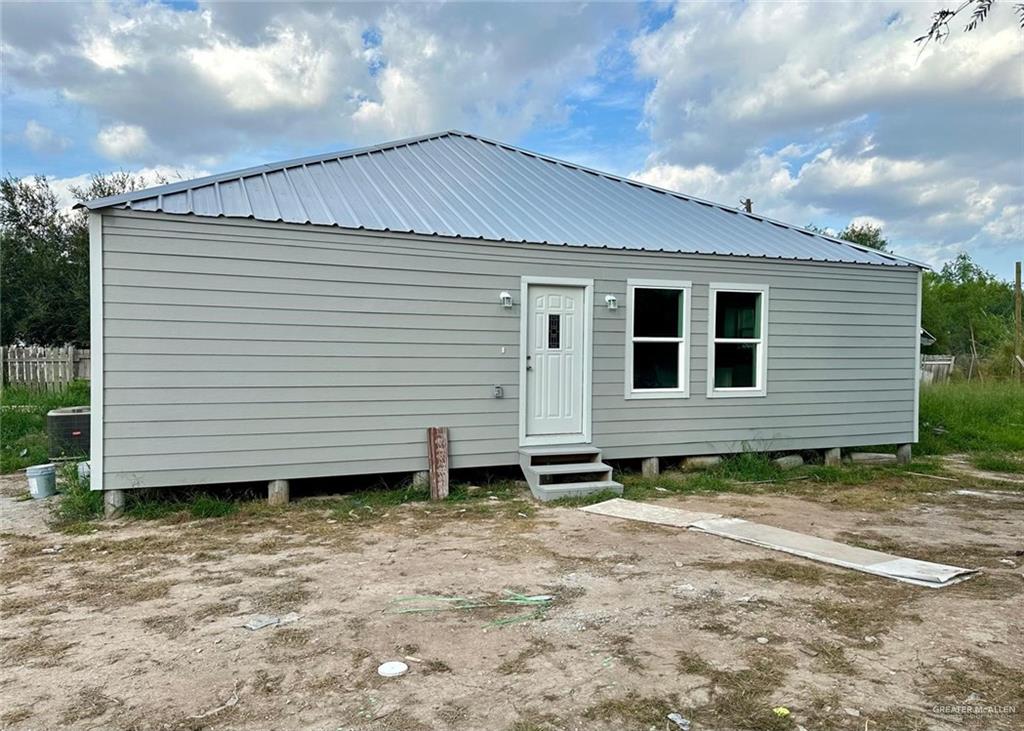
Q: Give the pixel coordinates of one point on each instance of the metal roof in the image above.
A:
(462, 185)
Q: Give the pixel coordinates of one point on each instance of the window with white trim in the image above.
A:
(657, 339)
(737, 339)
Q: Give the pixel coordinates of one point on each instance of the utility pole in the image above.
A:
(748, 205)
(1018, 341)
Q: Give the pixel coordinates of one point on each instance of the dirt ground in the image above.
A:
(138, 625)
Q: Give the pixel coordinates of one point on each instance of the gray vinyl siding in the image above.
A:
(242, 350)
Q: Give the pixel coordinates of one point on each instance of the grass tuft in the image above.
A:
(78, 505)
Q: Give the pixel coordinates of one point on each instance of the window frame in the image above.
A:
(761, 358)
(683, 391)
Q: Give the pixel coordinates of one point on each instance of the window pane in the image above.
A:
(658, 313)
(656, 365)
(735, 365)
(738, 315)
(554, 331)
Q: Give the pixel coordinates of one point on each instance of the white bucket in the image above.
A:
(42, 480)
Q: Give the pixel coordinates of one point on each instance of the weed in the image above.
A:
(78, 504)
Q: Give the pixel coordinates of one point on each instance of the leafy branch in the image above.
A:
(978, 10)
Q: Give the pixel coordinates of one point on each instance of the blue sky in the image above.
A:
(822, 113)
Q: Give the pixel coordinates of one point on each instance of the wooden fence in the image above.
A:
(937, 368)
(44, 367)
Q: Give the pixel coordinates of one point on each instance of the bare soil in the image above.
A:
(138, 625)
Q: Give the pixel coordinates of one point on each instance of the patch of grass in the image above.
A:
(436, 666)
(740, 699)
(972, 417)
(591, 499)
(898, 719)
(163, 505)
(859, 618)
(833, 656)
(842, 475)
(169, 625)
(15, 715)
(993, 682)
(34, 649)
(531, 721)
(999, 462)
(23, 421)
(748, 467)
(207, 506)
(78, 504)
(86, 704)
(633, 710)
(285, 597)
(800, 572)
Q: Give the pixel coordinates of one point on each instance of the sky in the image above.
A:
(821, 112)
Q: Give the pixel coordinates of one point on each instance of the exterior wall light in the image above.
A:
(613, 304)
(506, 300)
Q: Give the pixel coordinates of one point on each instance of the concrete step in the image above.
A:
(574, 489)
(556, 450)
(570, 468)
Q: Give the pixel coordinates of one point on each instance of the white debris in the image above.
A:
(762, 640)
(392, 669)
(265, 620)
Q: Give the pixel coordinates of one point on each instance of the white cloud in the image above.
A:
(123, 141)
(42, 139)
(828, 112)
(218, 80)
(151, 176)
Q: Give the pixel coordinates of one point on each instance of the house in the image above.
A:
(313, 317)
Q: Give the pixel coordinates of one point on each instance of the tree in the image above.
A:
(978, 11)
(965, 307)
(864, 234)
(44, 259)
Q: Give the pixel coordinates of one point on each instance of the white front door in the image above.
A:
(556, 382)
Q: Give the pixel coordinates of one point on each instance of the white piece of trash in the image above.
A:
(265, 620)
(392, 669)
